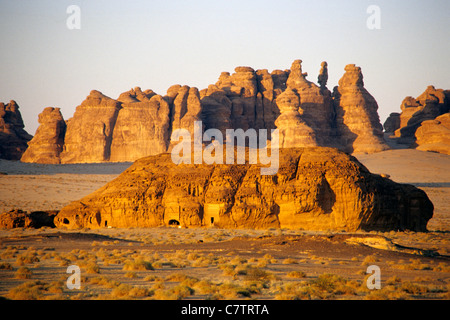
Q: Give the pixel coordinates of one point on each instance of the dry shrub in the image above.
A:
(178, 292)
(296, 274)
(369, 260)
(6, 266)
(137, 265)
(126, 291)
(36, 290)
(23, 273)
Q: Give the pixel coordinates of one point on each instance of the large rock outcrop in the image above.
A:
(293, 131)
(13, 137)
(89, 133)
(141, 129)
(21, 219)
(315, 105)
(140, 123)
(357, 117)
(434, 135)
(314, 188)
(47, 144)
(414, 111)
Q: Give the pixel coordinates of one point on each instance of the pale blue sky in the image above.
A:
(155, 44)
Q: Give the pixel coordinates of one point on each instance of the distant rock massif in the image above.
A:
(314, 189)
(13, 137)
(424, 121)
(317, 184)
(139, 123)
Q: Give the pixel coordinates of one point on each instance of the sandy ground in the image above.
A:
(219, 264)
(33, 187)
(426, 170)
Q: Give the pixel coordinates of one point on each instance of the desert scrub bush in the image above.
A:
(368, 260)
(325, 286)
(27, 258)
(131, 275)
(126, 291)
(176, 277)
(291, 291)
(413, 264)
(153, 278)
(270, 259)
(31, 290)
(23, 273)
(413, 288)
(104, 282)
(229, 290)
(92, 267)
(6, 266)
(9, 253)
(36, 290)
(442, 267)
(256, 274)
(137, 265)
(296, 274)
(178, 292)
(289, 261)
(205, 287)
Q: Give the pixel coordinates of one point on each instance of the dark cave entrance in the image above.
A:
(174, 223)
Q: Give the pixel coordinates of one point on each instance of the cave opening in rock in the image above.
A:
(174, 222)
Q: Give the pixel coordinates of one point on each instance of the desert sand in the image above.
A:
(210, 263)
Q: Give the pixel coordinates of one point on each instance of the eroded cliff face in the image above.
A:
(89, 133)
(141, 129)
(47, 144)
(414, 123)
(13, 137)
(434, 135)
(357, 119)
(140, 123)
(315, 189)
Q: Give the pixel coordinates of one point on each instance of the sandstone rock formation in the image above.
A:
(434, 135)
(140, 123)
(293, 131)
(429, 105)
(392, 123)
(89, 132)
(314, 188)
(323, 74)
(141, 129)
(357, 118)
(316, 108)
(22, 219)
(13, 137)
(47, 144)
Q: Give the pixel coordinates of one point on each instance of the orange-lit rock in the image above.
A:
(314, 189)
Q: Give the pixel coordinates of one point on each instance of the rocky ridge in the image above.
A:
(414, 111)
(434, 135)
(315, 189)
(13, 137)
(47, 144)
(139, 123)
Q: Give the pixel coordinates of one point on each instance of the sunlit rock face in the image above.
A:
(140, 123)
(314, 189)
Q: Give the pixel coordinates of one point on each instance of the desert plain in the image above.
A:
(210, 263)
